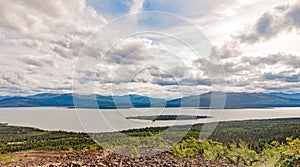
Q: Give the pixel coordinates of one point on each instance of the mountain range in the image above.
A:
(233, 100)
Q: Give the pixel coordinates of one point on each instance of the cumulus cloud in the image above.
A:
(54, 25)
(229, 49)
(259, 73)
(36, 74)
(281, 19)
(126, 51)
(39, 41)
(32, 18)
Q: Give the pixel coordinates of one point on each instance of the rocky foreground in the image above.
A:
(103, 158)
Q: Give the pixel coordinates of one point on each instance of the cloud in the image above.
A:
(55, 32)
(136, 6)
(292, 61)
(259, 73)
(36, 61)
(256, 73)
(229, 49)
(282, 76)
(281, 19)
(293, 15)
(129, 51)
(28, 43)
(35, 18)
(56, 26)
(40, 41)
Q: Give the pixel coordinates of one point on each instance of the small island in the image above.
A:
(169, 117)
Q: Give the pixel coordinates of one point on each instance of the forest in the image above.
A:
(272, 142)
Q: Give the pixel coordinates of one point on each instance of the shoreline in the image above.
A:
(139, 129)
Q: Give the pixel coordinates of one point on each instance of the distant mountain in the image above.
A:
(44, 96)
(5, 97)
(286, 95)
(126, 101)
(137, 101)
(233, 100)
(38, 100)
(244, 100)
(87, 101)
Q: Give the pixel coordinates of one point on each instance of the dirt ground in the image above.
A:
(103, 157)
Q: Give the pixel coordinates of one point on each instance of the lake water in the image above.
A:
(95, 120)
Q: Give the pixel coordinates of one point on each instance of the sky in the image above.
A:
(117, 47)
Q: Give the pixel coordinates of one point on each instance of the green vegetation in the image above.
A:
(135, 152)
(252, 143)
(7, 158)
(256, 133)
(238, 153)
(14, 138)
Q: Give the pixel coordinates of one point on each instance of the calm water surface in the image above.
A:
(95, 120)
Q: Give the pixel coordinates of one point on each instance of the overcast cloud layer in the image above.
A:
(257, 41)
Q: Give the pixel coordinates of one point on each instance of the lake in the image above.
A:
(107, 120)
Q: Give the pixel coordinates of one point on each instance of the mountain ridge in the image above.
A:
(233, 100)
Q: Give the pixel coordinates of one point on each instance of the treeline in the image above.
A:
(256, 133)
(14, 138)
